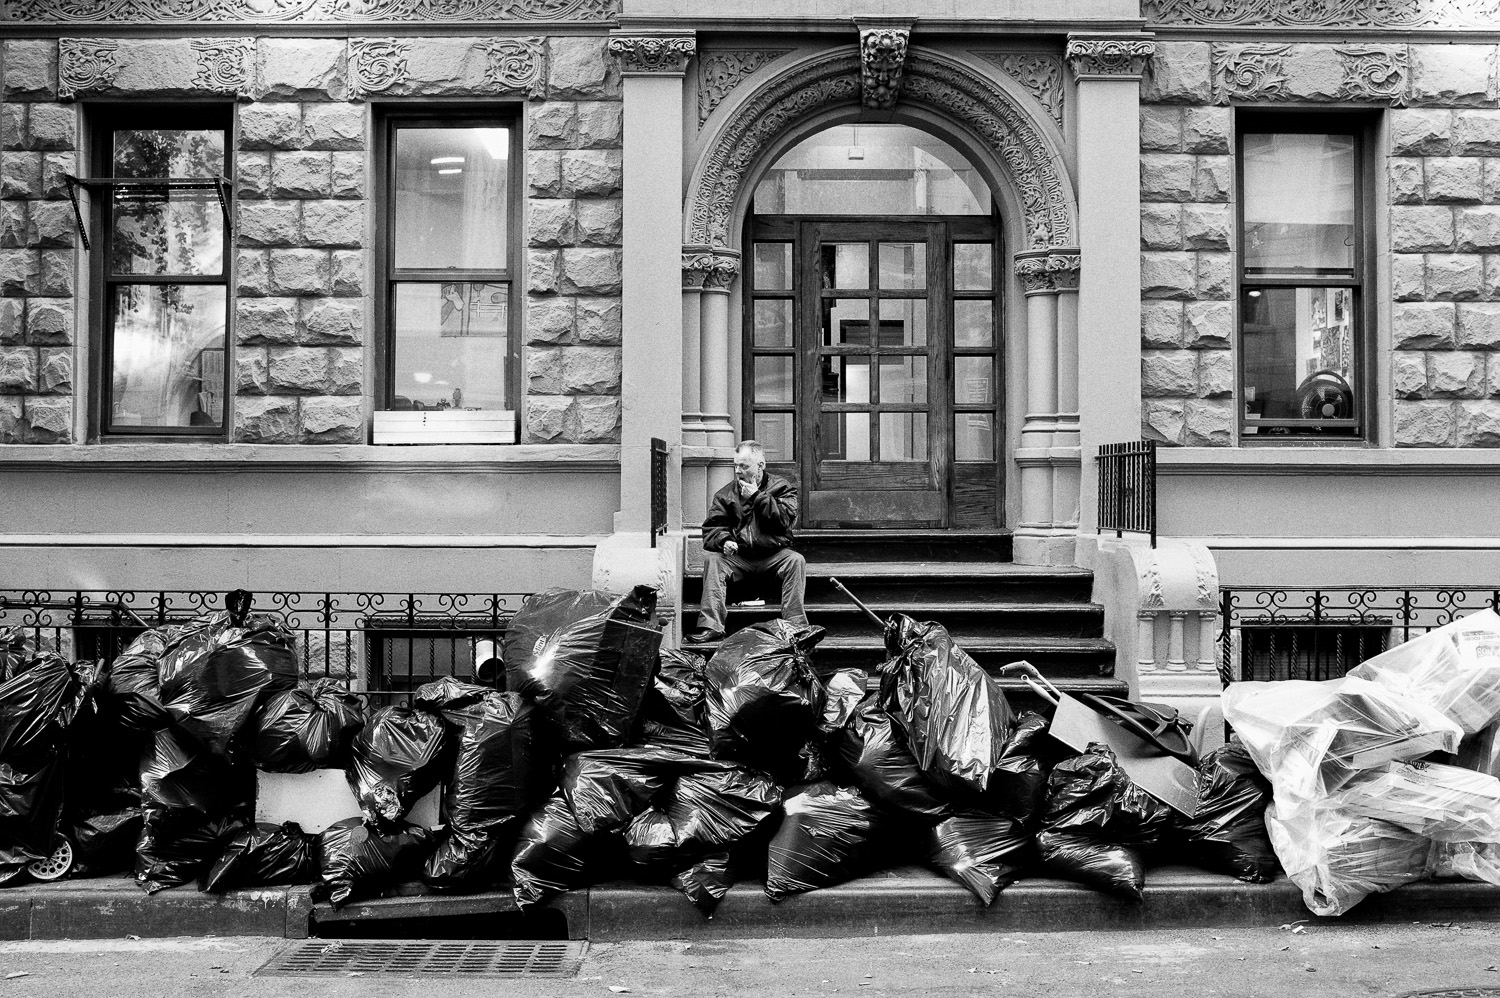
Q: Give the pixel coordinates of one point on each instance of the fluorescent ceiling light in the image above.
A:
(438, 160)
(456, 169)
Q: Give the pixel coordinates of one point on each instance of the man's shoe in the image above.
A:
(704, 636)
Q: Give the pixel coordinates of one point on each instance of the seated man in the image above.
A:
(749, 530)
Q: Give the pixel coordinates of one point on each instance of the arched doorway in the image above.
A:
(873, 348)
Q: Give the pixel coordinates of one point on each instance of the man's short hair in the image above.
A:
(753, 448)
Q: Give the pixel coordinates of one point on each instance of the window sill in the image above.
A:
(323, 458)
(1325, 458)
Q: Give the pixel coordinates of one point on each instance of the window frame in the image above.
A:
(389, 119)
(105, 118)
(1359, 125)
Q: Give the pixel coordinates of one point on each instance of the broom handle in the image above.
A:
(868, 612)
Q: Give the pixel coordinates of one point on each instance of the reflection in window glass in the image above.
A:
(773, 379)
(973, 382)
(451, 198)
(974, 436)
(846, 321)
(775, 431)
(845, 437)
(972, 266)
(844, 266)
(773, 266)
(167, 355)
(169, 152)
(903, 322)
(773, 323)
(973, 324)
(903, 266)
(846, 379)
(160, 231)
(450, 348)
(1299, 204)
(1298, 357)
(903, 379)
(903, 436)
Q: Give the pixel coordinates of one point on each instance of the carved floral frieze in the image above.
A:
(1375, 74)
(85, 64)
(224, 64)
(1250, 72)
(720, 72)
(1326, 13)
(516, 64)
(1121, 57)
(1263, 73)
(1041, 75)
(653, 54)
(303, 11)
(882, 61)
(376, 65)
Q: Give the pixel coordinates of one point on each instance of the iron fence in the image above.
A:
(1321, 633)
(658, 488)
(381, 644)
(1127, 488)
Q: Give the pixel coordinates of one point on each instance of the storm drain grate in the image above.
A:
(427, 957)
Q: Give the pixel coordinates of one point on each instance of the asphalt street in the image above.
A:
(1285, 961)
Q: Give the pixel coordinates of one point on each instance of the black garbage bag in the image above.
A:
(1098, 824)
(397, 757)
(606, 788)
(133, 689)
(553, 854)
(105, 843)
(193, 802)
(672, 711)
(37, 706)
(954, 717)
(264, 855)
(706, 882)
(586, 658)
(829, 834)
(308, 728)
(14, 651)
(717, 808)
(495, 781)
(356, 860)
(31, 804)
(874, 759)
(764, 699)
(1228, 832)
(1018, 786)
(650, 840)
(984, 853)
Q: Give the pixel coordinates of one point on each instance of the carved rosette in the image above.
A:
(1041, 75)
(376, 65)
(85, 64)
(652, 55)
(1250, 72)
(223, 64)
(720, 72)
(1046, 272)
(1111, 58)
(303, 11)
(882, 62)
(517, 64)
(1375, 74)
(1326, 13)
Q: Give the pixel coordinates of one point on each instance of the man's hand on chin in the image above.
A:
(747, 489)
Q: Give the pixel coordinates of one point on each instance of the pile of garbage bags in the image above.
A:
(1387, 775)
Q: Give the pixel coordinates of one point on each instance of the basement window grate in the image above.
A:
(426, 958)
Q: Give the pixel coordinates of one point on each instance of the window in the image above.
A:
(1301, 280)
(449, 255)
(162, 264)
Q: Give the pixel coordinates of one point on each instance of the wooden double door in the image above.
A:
(874, 365)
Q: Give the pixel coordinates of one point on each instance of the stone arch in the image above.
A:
(832, 82)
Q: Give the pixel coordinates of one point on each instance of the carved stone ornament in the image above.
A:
(1375, 74)
(1044, 272)
(721, 72)
(1064, 269)
(303, 11)
(695, 268)
(721, 273)
(652, 54)
(1041, 75)
(882, 61)
(1326, 13)
(517, 64)
(1250, 72)
(1109, 57)
(376, 65)
(85, 64)
(223, 64)
(991, 115)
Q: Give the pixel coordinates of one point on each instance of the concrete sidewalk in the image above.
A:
(903, 900)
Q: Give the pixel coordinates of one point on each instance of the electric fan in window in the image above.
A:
(1325, 395)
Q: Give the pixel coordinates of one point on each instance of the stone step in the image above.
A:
(948, 582)
(965, 621)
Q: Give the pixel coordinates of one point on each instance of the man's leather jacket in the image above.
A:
(761, 524)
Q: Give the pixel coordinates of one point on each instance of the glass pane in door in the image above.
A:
(846, 379)
(846, 321)
(903, 436)
(903, 379)
(903, 322)
(903, 266)
(846, 436)
(844, 266)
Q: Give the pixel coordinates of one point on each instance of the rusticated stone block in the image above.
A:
(1215, 374)
(1457, 277)
(1163, 420)
(1167, 176)
(49, 420)
(1451, 75)
(1479, 325)
(1208, 324)
(1490, 177)
(13, 224)
(335, 126)
(306, 68)
(348, 268)
(30, 69)
(271, 126)
(1161, 325)
(1422, 325)
(550, 419)
(591, 172)
(543, 173)
(1479, 424)
(1169, 373)
(52, 127)
(550, 222)
(600, 222)
(1424, 424)
(600, 124)
(1415, 229)
(544, 372)
(18, 370)
(301, 175)
(12, 320)
(252, 272)
(55, 168)
(1477, 133)
(269, 223)
(252, 374)
(265, 420)
(1215, 276)
(577, 66)
(1161, 128)
(12, 419)
(266, 320)
(20, 175)
(1206, 226)
(543, 267)
(20, 270)
(590, 271)
(57, 274)
(1405, 181)
(13, 127)
(1409, 374)
(1420, 132)
(551, 125)
(1454, 180)
(1206, 130)
(549, 320)
(1455, 374)
(1490, 288)
(346, 371)
(299, 371)
(51, 224)
(348, 179)
(333, 320)
(333, 420)
(1179, 73)
(591, 370)
(1213, 178)
(599, 320)
(252, 172)
(1208, 423)
(1161, 226)
(1408, 277)
(598, 419)
(1478, 228)
(1169, 275)
(333, 223)
(299, 272)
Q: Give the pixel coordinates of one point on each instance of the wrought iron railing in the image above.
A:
(658, 488)
(1127, 488)
(1318, 633)
(382, 644)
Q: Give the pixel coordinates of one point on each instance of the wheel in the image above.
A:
(56, 866)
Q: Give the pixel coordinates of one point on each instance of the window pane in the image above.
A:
(1299, 204)
(773, 379)
(846, 321)
(972, 266)
(169, 152)
(845, 436)
(903, 266)
(773, 323)
(168, 355)
(1298, 352)
(451, 344)
(973, 380)
(846, 379)
(973, 324)
(903, 322)
(773, 266)
(452, 192)
(903, 436)
(775, 432)
(903, 379)
(160, 231)
(973, 436)
(845, 265)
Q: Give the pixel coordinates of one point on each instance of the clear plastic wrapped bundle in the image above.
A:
(1445, 803)
(1339, 858)
(1470, 860)
(1454, 669)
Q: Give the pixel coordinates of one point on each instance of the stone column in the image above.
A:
(696, 263)
(652, 405)
(1033, 456)
(1108, 69)
(1066, 500)
(718, 428)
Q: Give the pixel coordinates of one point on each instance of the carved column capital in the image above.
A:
(882, 62)
(653, 55)
(695, 267)
(721, 273)
(1046, 272)
(1063, 268)
(1109, 57)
